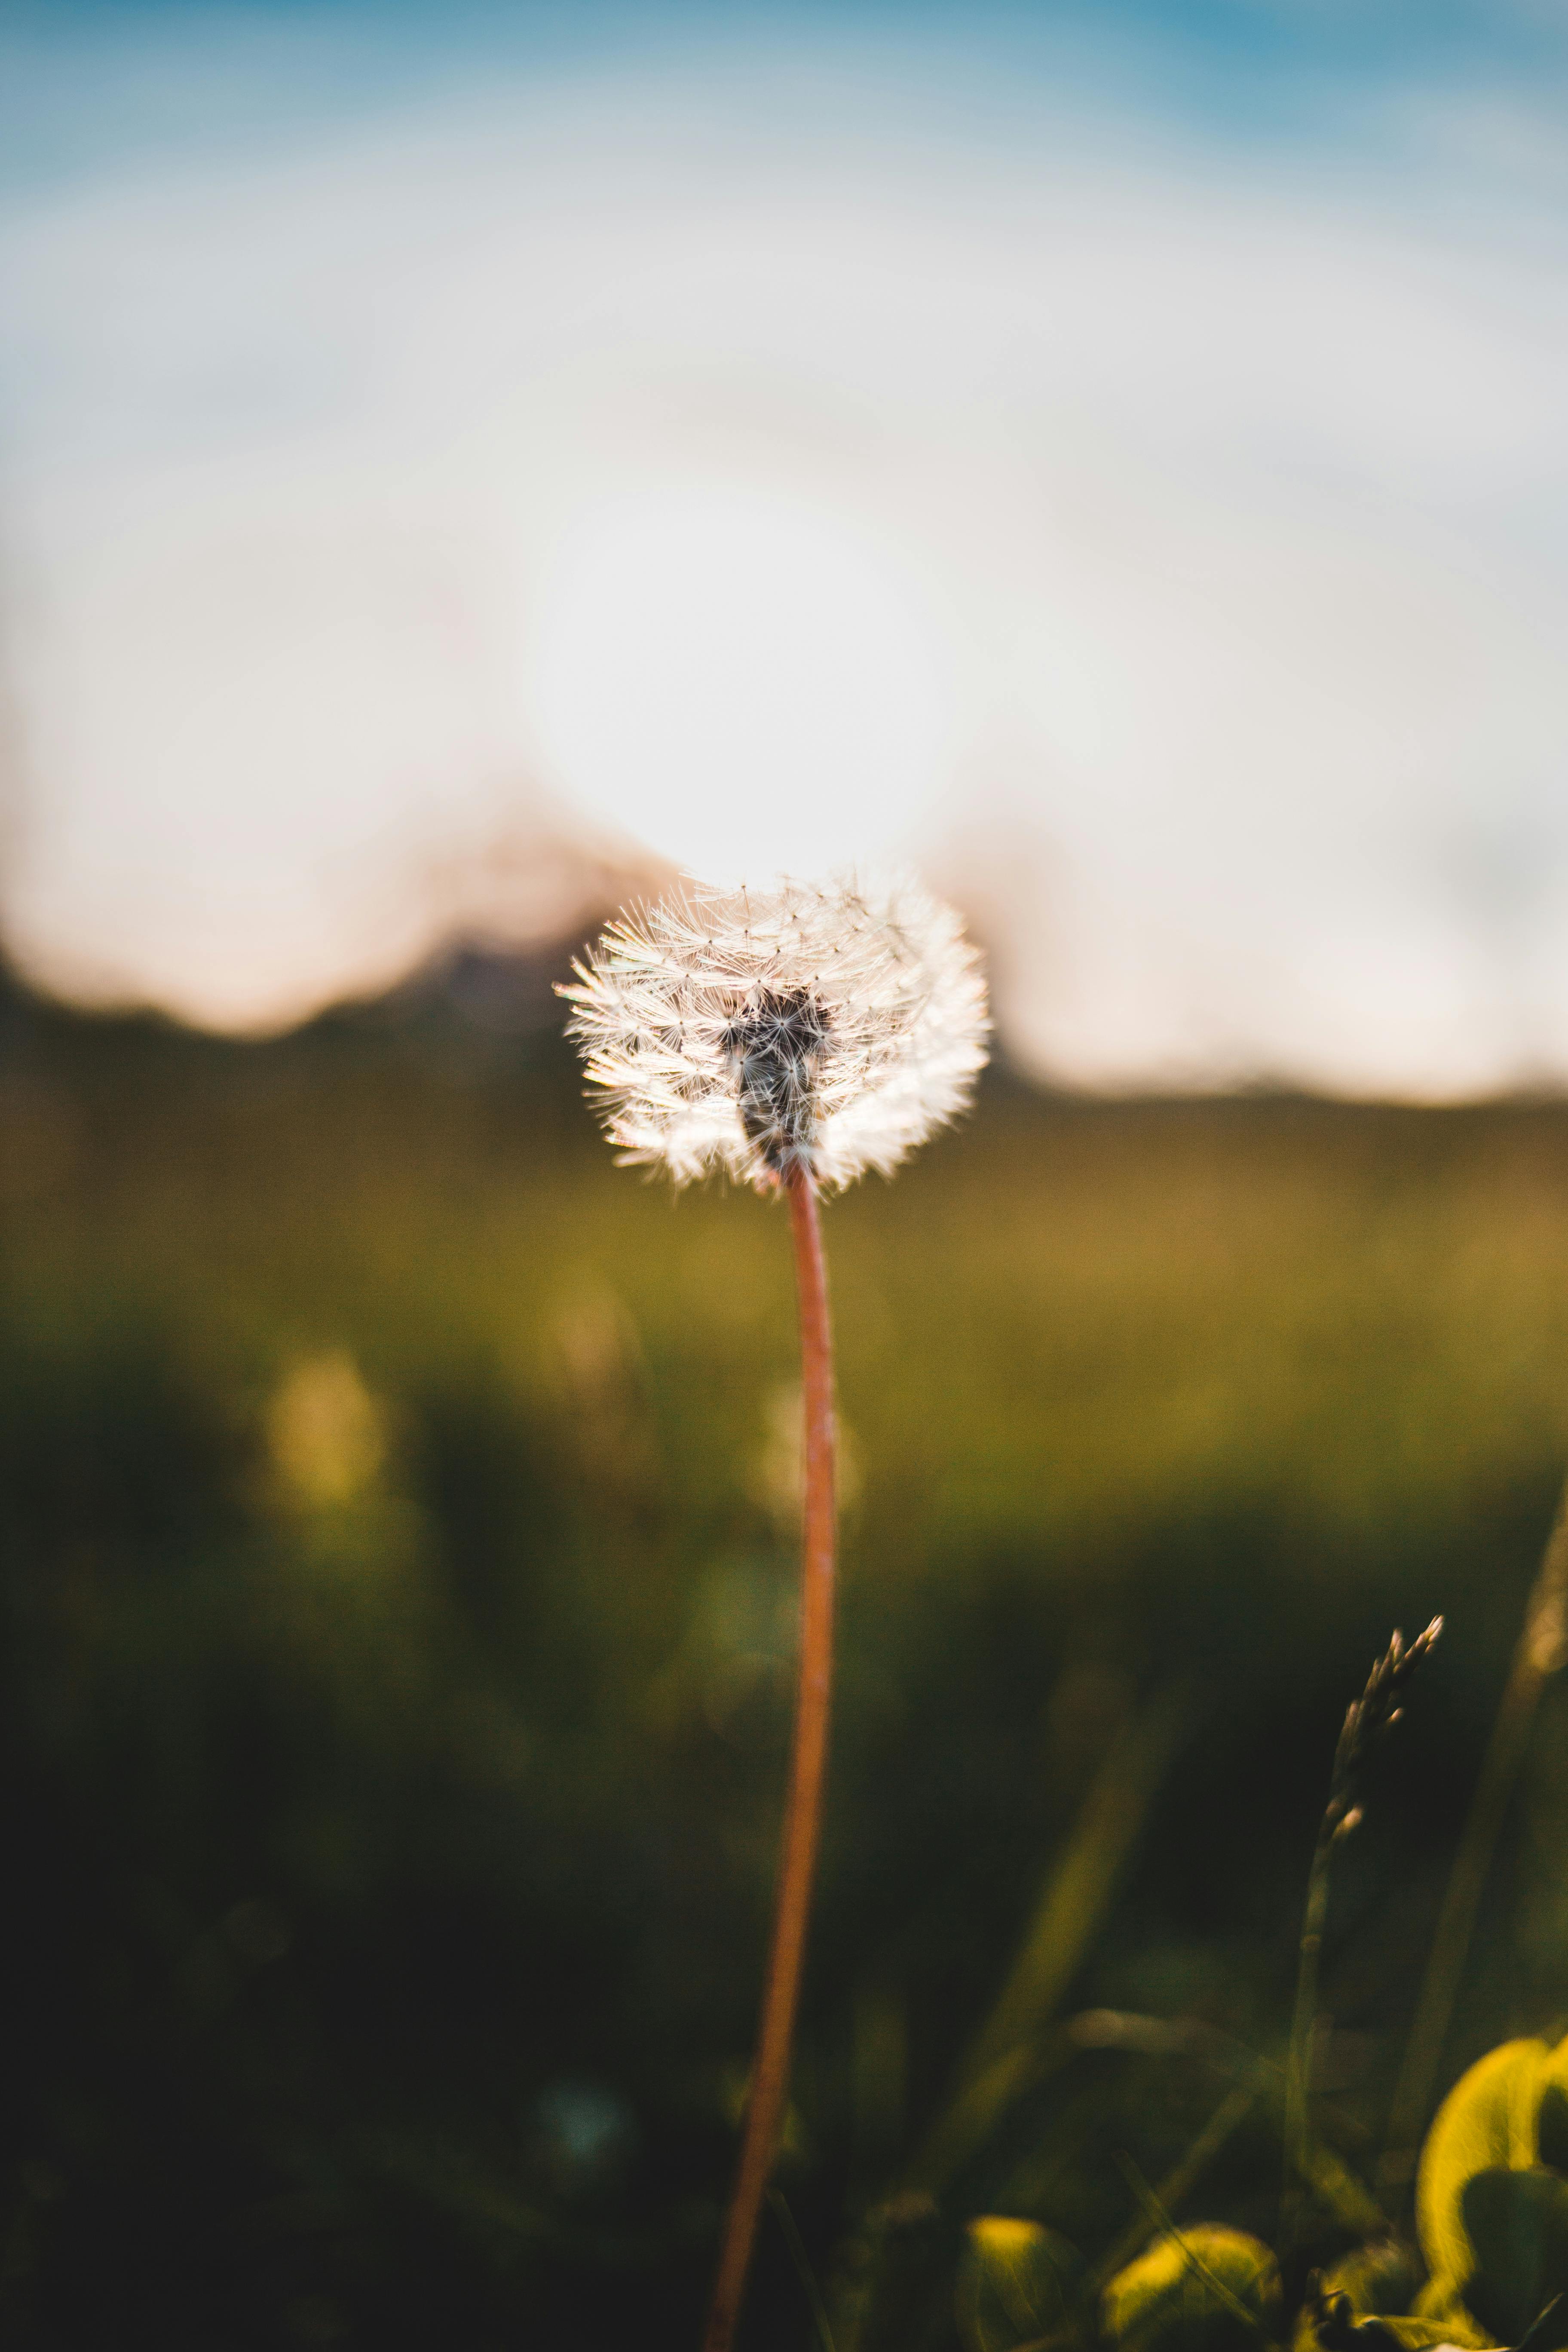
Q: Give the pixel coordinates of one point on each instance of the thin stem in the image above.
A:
(803, 1814)
(803, 2269)
(1168, 2198)
(1303, 2026)
(1161, 2219)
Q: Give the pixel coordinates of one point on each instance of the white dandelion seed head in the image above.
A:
(829, 1028)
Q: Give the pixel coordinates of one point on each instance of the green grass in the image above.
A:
(398, 1590)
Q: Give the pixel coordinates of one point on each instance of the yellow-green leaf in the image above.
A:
(1422, 2334)
(1439, 2304)
(1488, 2121)
(1206, 2289)
(1551, 2116)
(1015, 2282)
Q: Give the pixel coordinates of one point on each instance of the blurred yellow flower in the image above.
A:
(325, 1432)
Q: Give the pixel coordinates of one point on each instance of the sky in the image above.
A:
(1108, 459)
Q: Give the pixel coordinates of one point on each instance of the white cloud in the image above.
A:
(1235, 509)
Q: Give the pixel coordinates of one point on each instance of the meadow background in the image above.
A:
(398, 1562)
(461, 464)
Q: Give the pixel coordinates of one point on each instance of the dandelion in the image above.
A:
(827, 1029)
(791, 1040)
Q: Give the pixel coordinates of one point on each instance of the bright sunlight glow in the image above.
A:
(748, 680)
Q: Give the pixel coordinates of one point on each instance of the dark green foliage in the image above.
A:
(396, 1615)
(1379, 2278)
(1517, 2225)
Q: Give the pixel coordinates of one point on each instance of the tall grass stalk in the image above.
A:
(803, 1810)
(1541, 1651)
(1367, 1718)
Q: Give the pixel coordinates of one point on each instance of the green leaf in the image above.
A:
(1439, 2304)
(1377, 2279)
(1015, 2284)
(1517, 2223)
(1552, 2124)
(1551, 2116)
(1421, 2335)
(1206, 2289)
(1488, 2121)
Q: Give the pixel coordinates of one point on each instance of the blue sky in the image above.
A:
(1112, 456)
(92, 86)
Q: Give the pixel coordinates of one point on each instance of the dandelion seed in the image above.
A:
(826, 1029)
(792, 1040)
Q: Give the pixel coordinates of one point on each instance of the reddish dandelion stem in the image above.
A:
(802, 1813)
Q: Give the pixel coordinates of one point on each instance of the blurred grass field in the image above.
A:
(398, 1570)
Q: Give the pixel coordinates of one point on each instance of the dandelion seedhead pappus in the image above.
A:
(776, 1046)
(791, 1038)
(820, 1029)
